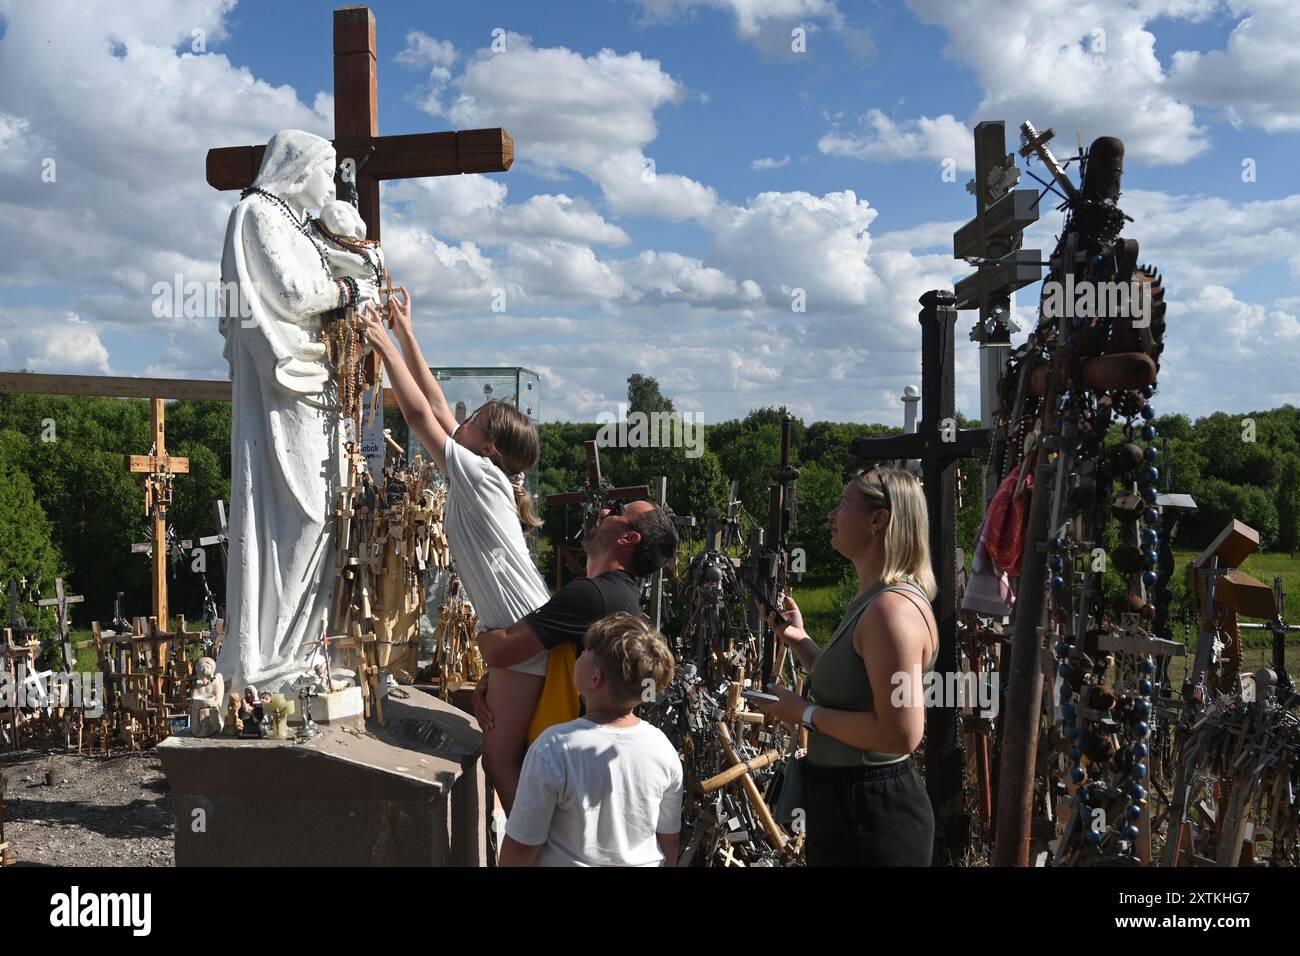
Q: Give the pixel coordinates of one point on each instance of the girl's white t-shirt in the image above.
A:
(487, 542)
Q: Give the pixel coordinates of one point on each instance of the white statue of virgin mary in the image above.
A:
(285, 446)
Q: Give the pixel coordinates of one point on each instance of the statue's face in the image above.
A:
(319, 188)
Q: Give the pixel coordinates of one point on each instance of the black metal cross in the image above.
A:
(939, 444)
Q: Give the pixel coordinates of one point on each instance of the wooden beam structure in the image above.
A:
(356, 131)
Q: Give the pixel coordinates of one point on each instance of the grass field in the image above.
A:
(823, 604)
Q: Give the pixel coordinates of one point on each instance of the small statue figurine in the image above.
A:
(250, 713)
(234, 723)
(206, 717)
(264, 720)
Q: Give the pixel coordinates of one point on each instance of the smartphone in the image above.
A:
(762, 598)
(760, 696)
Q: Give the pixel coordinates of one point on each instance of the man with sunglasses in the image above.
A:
(630, 541)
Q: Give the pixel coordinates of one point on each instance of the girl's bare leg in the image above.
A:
(512, 697)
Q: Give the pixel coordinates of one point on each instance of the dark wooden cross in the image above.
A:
(356, 131)
(939, 445)
(18, 628)
(687, 522)
(594, 495)
(158, 467)
(60, 603)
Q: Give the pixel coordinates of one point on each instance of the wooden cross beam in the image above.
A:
(993, 236)
(60, 602)
(356, 131)
(158, 467)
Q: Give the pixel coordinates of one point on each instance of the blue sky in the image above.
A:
(688, 277)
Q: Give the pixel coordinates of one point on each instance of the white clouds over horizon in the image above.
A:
(588, 299)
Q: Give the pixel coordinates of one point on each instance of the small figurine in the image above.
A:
(209, 691)
(250, 713)
(279, 710)
(264, 711)
(234, 723)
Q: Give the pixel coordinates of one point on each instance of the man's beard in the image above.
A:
(596, 542)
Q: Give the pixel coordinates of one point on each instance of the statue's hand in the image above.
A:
(304, 372)
(310, 352)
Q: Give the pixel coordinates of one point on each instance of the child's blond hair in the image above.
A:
(633, 656)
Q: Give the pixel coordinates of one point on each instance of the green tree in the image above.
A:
(27, 549)
(818, 489)
(1288, 505)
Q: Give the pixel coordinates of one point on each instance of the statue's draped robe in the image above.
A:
(286, 450)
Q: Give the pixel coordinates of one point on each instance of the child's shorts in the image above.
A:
(535, 665)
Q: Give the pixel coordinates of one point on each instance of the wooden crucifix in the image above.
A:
(60, 603)
(992, 242)
(356, 131)
(594, 495)
(158, 468)
(939, 444)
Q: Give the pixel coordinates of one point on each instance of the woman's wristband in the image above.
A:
(808, 713)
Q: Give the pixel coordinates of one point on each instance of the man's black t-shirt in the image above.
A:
(582, 602)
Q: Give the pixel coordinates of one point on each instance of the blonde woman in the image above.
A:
(864, 801)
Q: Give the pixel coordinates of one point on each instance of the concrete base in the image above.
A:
(409, 792)
(341, 707)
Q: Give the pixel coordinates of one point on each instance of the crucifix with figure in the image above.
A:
(158, 468)
(356, 131)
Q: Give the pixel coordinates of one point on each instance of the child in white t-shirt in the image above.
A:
(488, 510)
(605, 789)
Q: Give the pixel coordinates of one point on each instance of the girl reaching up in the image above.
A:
(488, 512)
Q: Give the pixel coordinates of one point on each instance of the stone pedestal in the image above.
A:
(408, 792)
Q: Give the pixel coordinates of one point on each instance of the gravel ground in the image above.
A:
(100, 811)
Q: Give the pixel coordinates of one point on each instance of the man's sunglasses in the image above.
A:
(616, 508)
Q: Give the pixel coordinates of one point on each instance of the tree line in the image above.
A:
(70, 508)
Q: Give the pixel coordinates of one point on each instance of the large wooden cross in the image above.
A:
(157, 468)
(356, 131)
(992, 241)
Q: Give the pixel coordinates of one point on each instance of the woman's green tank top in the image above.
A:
(839, 680)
